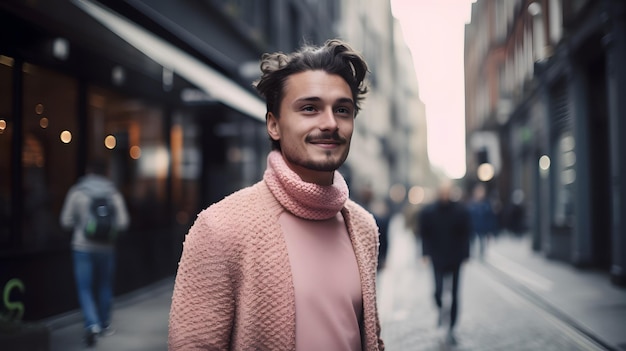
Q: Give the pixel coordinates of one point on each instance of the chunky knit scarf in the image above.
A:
(305, 200)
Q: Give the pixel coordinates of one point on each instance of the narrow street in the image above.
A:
(492, 315)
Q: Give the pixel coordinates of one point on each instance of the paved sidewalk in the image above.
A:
(140, 319)
(494, 315)
(584, 299)
(515, 300)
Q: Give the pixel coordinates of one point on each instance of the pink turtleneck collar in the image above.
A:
(305, 200)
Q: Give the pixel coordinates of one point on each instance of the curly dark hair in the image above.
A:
(334, 57)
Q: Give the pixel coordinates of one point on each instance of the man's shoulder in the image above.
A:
(243, 204)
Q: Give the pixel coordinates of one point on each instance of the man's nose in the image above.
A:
(328, 120)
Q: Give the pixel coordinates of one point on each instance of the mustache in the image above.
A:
(334, 136)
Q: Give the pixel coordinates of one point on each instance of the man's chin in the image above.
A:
(328, 164)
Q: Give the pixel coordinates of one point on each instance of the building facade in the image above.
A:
(544, 90)
(391, 130)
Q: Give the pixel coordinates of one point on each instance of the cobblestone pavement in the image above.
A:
(492, 316)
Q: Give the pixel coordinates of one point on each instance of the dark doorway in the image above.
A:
(599, 162)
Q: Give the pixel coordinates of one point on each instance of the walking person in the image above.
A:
(484, 222)
(95, 211)
(288, 263)
(445, 227)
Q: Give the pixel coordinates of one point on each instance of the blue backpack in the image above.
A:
(101, 221)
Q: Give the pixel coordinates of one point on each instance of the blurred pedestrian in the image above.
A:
(444, 227)
(93, 207)
(288, 263)
(379, 209)
(484, 222)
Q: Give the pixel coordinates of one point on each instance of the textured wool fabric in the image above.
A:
(305, 200)
(234, 287)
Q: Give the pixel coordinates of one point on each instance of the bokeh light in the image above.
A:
(485, 172)
(416, 195)
(110, 142)
(544, 162)
(135, 152)
(66, 136)
(397, 192)
(39, 109)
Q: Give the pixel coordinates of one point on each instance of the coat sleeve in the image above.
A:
(68, 217)
(202, 309)
(123, 219)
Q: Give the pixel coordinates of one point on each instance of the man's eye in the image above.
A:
(308, 108)
(343, 110)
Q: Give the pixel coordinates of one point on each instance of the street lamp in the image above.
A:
(485, 172)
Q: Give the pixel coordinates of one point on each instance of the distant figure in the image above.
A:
(288, 263)
(484, 222)
(382, 215)
(445, 227)
(516, 213)
(96, 212)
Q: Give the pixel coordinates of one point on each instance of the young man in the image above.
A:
(290, 262)
(445, 227)
(94, 260)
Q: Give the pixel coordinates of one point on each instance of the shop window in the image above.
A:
(186, 168)
(6, 139)
(48, 153)
(129, 133)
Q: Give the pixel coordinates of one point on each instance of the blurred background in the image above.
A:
(525, 97)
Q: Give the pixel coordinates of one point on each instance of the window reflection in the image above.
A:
(129, 133)
(6, 138)
(566, 173)
(48, 156)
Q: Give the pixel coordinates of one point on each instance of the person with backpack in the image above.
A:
(96, 212)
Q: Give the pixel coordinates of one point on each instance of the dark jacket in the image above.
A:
(445, 231)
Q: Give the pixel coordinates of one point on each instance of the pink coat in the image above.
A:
(234, 287)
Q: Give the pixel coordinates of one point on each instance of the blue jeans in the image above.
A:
(94, 272)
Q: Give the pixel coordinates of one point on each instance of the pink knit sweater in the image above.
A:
(234, 288)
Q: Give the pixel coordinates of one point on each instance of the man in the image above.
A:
(290, 262)
(445, 228)
(94, 260)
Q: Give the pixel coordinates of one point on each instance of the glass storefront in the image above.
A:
(6, 139)
(130, 134)
(186, 168)
(49, 145)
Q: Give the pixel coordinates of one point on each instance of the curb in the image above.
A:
(75, 316)
(542, 303)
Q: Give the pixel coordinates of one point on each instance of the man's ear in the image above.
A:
(273, 129)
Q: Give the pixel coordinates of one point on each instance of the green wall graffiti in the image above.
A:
(15, 308)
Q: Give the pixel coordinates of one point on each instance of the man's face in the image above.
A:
(315, 124)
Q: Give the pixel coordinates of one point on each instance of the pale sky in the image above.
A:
(434, 31)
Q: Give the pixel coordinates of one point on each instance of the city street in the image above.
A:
(492, 315)
(498, 310)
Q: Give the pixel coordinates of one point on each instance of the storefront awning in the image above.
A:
(171, 57)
